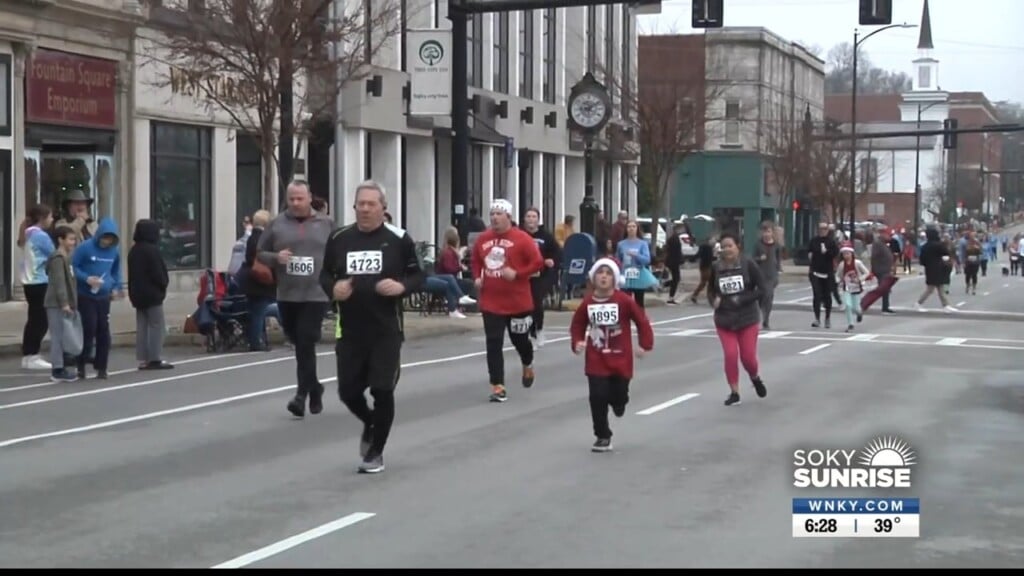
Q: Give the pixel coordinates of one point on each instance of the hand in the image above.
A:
(94, 281)
(479, 282)
(508, 274)
(67, 310)
(580, 347)
(342, 290)
(640, 352)
(389, 287)
(283, 256)
(716, 302)
(549, 263)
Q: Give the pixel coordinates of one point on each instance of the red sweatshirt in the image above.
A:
(493, 252)
(610, 337)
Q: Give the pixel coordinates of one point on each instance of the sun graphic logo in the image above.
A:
(885, 462)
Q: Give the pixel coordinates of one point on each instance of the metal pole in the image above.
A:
(853, 141)
(460, 118)
(956, 170)
(917, 175)
(286, 146)
(588, 208)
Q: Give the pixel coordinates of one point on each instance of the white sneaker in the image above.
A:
(456, 314)
(951, 309)
(920, 307)
(540, 339)
(466, 301)
(35, 363)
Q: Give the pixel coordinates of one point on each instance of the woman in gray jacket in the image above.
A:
(735, 292)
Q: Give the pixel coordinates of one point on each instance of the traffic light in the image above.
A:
(796, 205)
(875, 12)
(949, 138)
(708, 13)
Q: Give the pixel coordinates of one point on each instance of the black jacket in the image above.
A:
(549, 249)
(705, 255)
(823, 252)
(736, 311)
(387, 252)
(673, 250)
(147, 271)
(936, 270)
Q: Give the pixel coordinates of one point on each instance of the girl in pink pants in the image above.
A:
(735, 294)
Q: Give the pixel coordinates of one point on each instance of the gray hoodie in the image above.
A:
(769, 260)
(299, 280)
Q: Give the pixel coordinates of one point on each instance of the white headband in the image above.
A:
(502, 205)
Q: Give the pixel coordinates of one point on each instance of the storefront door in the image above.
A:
(52, 176)
(6, 222)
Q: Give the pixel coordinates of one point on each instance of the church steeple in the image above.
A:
(926, 67)
(924, 42)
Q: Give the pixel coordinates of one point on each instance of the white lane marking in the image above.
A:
(862, 337)
(693, 332)
(1006, 285)
(799, 300)
(791, 290)
(299, 539)
(220, 401)
(959, 304)
(985, 293)
(668, 404)
(815, 349)
(951, 341)
(773, 334)
(130, 370)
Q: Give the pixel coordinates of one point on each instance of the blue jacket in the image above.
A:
(90, 259)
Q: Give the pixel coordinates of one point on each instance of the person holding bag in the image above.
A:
(61, 303)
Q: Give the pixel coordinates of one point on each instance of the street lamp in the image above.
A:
(857, 41)
(917, 168)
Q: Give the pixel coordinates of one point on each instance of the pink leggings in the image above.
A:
(739, 345)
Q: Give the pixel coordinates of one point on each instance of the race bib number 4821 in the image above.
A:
(301, 266)
(364, 262)
(730, 285)
(603, 314)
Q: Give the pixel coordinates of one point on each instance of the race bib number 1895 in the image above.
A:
(603, 314)
(364, 262)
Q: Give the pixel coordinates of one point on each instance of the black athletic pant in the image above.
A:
(984, 267)
(835, 290)
(302, 323)
(605, 392)
(371, 362)
(518, 327)
(822, 291)
(677, 277)
(971, 274)
(638, 296)
(37, 324)
(540, 288)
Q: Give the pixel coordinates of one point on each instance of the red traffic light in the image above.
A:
(796, 204)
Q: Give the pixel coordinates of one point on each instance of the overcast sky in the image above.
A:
(978, 42)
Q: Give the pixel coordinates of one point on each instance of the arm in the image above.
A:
(578, 326)
(265, 248)
(533, 261)
(77, 259)
(42, 242)
(645, 254)
(713, 287)
(327, 271)
(115, 273)
(645, 332)
(476, 259)
(413, 275)
(753, 292)
(778, 258)
(251, 244)
(862, 270)
(58, 281)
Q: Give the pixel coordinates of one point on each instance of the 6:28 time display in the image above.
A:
(821, 525)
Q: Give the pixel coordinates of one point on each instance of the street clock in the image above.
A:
(589, 105)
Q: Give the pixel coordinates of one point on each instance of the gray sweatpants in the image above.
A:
(768, 299)
(55, 322)
(150, 329)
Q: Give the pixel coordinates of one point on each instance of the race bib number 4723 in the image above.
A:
(301, 266)
(603, 314)
(364, 262)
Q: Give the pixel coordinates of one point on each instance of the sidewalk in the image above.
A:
(178, 306)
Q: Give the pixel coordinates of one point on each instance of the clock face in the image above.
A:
(588, 110)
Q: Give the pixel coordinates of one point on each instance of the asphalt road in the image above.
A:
(202, 466)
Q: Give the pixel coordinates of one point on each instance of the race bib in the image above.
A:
(972, 258)
(730, 285)
(520, 325)
(632, 273)
(364, 262)
(603, 314)
(300, 266)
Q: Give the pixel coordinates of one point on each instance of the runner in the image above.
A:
(769, 258)
(735, 294)
(823, 252)
(542, 282)
(293, 244)
(604, 319)
(937, 263)
(973, 254)
(368, 268)
(850, 276)
(503, 260)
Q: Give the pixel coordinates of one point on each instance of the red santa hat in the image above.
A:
(846, 247)
(612, 265)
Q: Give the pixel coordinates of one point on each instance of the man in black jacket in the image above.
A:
(823, 252)
(544, 280)
(367, 270)
(147, 290)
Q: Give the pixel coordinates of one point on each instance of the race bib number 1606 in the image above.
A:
(300, 266)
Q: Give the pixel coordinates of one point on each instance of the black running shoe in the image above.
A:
(602, 445)
(297, 406)
(498, 393)
(733, 399)
(316, 400)
(860, 317)
(828, 323)
(816, 324)
(759, 387)
(619, 410)
(372, 464)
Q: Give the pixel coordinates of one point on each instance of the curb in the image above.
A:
(177, 339)
(928, 313)
(572, 305)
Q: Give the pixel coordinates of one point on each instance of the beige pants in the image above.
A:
(928, 292)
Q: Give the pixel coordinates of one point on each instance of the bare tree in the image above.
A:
(238, 55)
(787, 155)
(870, 79)
(830, 178)
(936, 197)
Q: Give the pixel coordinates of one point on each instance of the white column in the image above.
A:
(354, 149)
(559, 191)
(574, 183)
(223, 189)
(537, 175)
(488, 192)
(443, 167)
(631, 189)
(420, 193)
(141, 185)
(386, 157)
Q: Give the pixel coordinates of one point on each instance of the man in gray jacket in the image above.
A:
(882, 266)
(293, 246)
(768, 256)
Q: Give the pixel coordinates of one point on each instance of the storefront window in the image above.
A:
(249, 179)
(180, 177)
(32, 180)
(5, 95)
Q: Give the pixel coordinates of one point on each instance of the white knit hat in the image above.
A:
(619, 280)
(502, 205)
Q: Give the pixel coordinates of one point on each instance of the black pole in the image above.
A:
(589, 207)
(956, 169)
(853, 141)
(460, 119)
(917, 175)
(286, 144)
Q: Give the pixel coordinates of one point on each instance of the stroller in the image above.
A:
(223, 313)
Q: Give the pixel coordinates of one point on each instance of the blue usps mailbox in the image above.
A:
(578, 256)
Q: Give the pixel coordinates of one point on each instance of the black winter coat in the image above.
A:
(936, 269)
(147, 271)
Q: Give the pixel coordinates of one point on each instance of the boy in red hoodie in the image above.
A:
(504, 258)
(601, 327)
